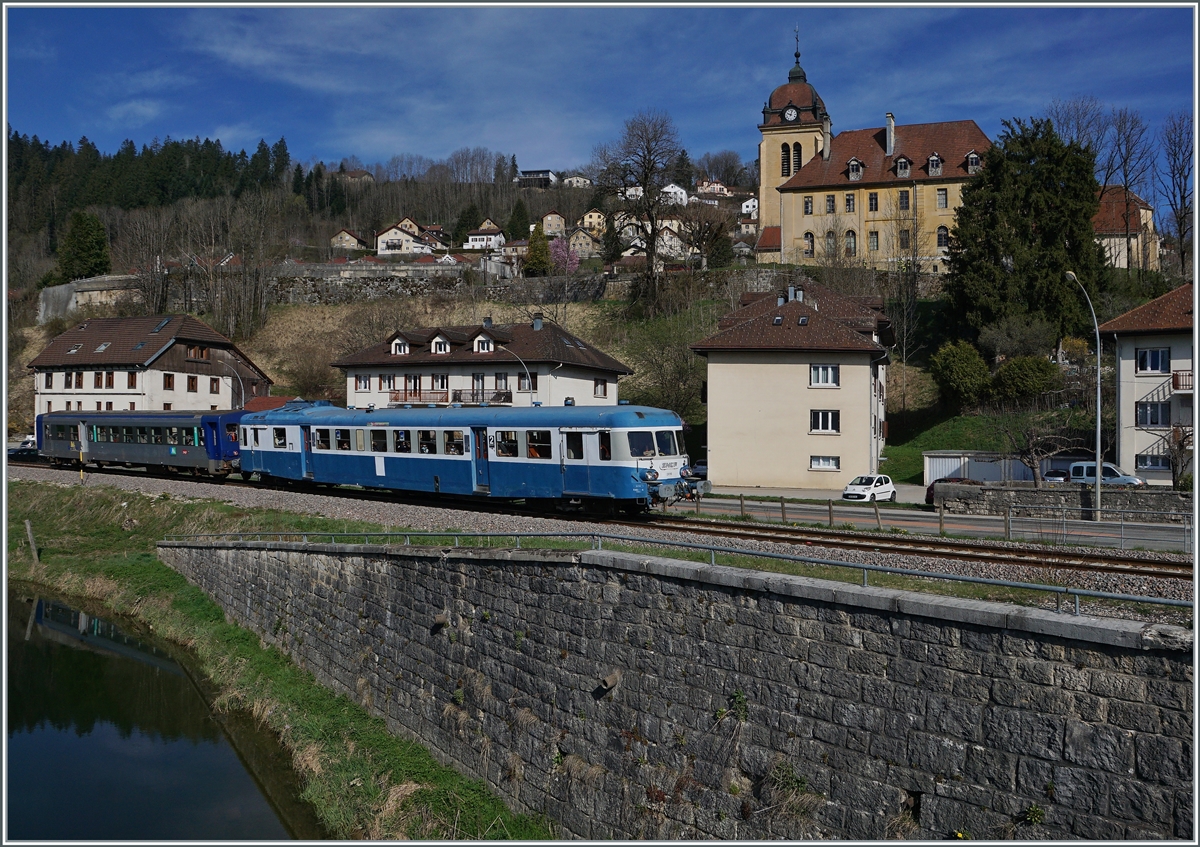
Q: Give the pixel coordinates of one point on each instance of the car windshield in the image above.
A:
(863, 480)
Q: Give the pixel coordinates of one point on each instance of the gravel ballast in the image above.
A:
(434, 519)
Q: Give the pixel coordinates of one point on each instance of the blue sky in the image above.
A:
(549, 83)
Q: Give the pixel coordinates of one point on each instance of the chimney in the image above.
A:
(780, 298)
(487, 322)
(891, 135)
(537, 321)
(791, 293)
(825, 151)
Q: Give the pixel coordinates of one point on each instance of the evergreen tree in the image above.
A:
(84, 250)
(298, 180)
(1025, 221)
(720, 253)
(281, 162)
(682, 172)
(612, 246)
(518, 222)
(537, 261)
(468, 219)
(512, 168)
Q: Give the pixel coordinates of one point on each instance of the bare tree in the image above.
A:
(724, 166)
(634, 169)
(907, 247)
(1038, 428)
(1089, 123)
(702, 227)
(1133, 152)
(150, 238)
(1174, 180)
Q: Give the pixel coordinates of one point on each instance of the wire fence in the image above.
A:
(596, 541)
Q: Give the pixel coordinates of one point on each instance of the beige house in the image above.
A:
(397, 240)
(796, 390)
(154, 362)
(553, 224)
(537, 363)
(1124, 225)
(1155, 386)
(347, 240)
(584, 243)
(592, 221)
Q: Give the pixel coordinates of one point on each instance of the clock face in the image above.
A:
(790, 113)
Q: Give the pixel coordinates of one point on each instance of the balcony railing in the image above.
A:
(473, 396)
(1181, 381)
(442, 397)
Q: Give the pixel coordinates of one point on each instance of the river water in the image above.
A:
(109, 739)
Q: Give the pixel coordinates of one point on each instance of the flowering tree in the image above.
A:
(564, 259)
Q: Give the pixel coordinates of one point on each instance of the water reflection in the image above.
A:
(108, 739)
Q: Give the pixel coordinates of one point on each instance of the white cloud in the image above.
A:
(240, 136)
(133, 113)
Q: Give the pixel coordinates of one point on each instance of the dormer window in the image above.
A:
(399, 347)
(74, 349)
(855, 170)
(902, 167)
(103, 347)
(483, 345)
(973, 163)
(441, 347)
(935, 165)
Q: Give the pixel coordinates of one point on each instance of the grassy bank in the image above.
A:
(362, 781)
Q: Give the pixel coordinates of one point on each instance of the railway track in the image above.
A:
(1032, 556)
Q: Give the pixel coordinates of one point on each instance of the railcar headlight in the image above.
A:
(649, 475)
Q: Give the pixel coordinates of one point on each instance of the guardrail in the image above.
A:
(1056, 528)
(597, 539)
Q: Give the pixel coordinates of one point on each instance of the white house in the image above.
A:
(150, 362)
(1155, 386)
(577, 182)
(506, 365)
(675, 194)
(750, 208)
(485, 239)
(715, 187)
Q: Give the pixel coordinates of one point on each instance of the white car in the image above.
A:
(872, 487)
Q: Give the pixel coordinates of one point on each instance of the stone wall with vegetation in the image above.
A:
(1156, 505)
(634, 697)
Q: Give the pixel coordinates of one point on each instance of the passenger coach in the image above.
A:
(201, 442)
(624, 456)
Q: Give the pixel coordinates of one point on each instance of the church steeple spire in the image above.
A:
(797, 73)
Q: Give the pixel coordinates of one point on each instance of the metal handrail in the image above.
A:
(597, 541)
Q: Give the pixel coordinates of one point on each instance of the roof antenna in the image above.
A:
(797, 44)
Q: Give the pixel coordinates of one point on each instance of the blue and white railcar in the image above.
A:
(624, 455)
(200, 442)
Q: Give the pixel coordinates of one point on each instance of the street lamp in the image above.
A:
(528, 378)
(241, 386)
(1099, 456)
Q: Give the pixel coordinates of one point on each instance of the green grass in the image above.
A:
(932, 429)
(99, 542)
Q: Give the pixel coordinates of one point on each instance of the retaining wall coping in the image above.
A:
(1135, 635)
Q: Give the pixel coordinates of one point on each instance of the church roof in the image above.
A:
(798, 92)
(951, 140)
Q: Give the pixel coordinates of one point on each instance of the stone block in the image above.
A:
(1140, 803)
(953, 717)
(1016, 731)
(1163, 760)
(1170, 695)
(1092, 828)
(1117, 686)
(935, 754)
(1137, 716)
(1103, 748)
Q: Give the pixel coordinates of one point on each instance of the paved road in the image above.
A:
(1050, 530)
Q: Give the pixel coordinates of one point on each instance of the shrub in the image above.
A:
(1026, 376)
(1185, 482)
(960, 373)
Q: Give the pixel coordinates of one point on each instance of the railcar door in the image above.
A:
(574, 461)
(306, 453)
(483, 477)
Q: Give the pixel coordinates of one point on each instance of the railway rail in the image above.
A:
(1031, 556)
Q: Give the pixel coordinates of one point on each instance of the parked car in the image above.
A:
(23, 454)
(958, 480)
(29, 441)
(870, 487)
(1056, 475)
(1085, 472)
(700, 469)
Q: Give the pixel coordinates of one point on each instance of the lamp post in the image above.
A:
(527, 376)
(1099, 455)
(241, 386)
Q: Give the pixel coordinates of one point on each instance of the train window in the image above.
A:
(91, 433)
(506, 442)
(188, 436)
(538, 443)
(379, 441)
(231, 431)
(200, 436)
(73, 432)
(172, 434)
(574, 445)
(127, 436)
(101, 433)
(60, 432)
(454, 442)
(278, 437)
(322, 439)
(641, 443)
(360, 442)
(400, 441)
(427, 440)
(143, 435)
(256, 432)
(666, 442)
(606, 446)
(156, 435)
(341, 438)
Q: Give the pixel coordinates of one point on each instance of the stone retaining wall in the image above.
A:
(1157, 505)
(634, 697)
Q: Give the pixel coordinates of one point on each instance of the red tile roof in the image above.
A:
(550, 344)
(951, 140)
(1170, 313)
(262, 404)
(768, 239)
(763, 333)
(1110, 219)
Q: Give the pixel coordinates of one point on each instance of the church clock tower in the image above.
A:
(793, 129)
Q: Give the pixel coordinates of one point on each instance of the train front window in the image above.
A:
(454, 442)
(641, 443)
(427, 440)
(379, 441)
(538, 442)
(574, 445)
(278, 437)
(400, 441)
(506, 442)
(666, 442)
(322, 439)
(341, 438)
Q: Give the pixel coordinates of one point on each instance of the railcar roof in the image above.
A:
(468, 416)
(150, 416)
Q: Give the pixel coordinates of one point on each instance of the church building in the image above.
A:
(872, 197)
